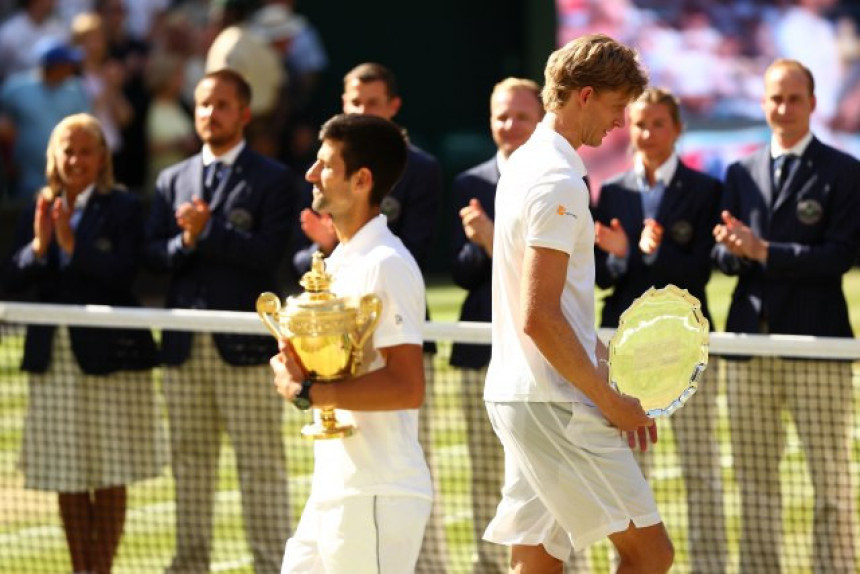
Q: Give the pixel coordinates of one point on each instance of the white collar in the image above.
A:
(227, 158)
(545, 130)
(501, 162)
(367, 235)
(81, 199)
(664, 173)
(797, 149)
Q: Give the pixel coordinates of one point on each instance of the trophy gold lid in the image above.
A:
(317, 283)
(317, 311)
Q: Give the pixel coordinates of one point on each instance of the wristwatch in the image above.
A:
(302, 400)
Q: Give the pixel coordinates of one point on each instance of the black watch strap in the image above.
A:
(302, 401)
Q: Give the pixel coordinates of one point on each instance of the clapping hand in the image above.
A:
(319, 228)
(192, 218)
(652, 235)
(478, 226)
(611, 238)
(61, 216)
(739, 239)
(43, 227)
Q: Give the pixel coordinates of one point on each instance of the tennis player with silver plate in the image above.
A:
(660, 350)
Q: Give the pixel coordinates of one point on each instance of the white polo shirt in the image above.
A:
(383, 457)
(541, 201)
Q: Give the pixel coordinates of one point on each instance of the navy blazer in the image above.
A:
(252, 211)
(471, 266)
(813, 228)
(108, 241)
(688, 212)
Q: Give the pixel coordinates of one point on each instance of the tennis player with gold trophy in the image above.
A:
(328, 334)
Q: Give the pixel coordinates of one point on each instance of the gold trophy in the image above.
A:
(327, 332)
(660, 350)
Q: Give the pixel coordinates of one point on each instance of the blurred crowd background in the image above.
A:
(134, 63)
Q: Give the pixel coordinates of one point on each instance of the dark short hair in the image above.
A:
(371, 142)
(240, 84)
(373, 72)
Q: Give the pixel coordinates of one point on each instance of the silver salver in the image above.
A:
(660, 350)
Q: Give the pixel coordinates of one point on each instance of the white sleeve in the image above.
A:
(556, 208)
(402, 293)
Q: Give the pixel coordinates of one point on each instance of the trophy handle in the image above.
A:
(268, 306)
(366, 318)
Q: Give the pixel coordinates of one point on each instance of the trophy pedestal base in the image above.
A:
(317, 431)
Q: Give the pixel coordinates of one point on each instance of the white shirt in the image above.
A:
(227, 158)
(541, 201)
(383, 457)
(664, 173)
(22, 40)
(797, 149)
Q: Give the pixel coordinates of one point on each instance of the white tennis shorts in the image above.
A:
(358, 535)
(570, 478)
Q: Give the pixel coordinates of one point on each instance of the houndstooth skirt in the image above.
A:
(85, 432)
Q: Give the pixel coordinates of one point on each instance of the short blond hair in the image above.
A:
(510, 84)
(594, 60)
(104, 180)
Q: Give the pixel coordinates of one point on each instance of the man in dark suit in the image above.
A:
(790, 230)
(412, 205)
(653, 227)
(411, 210)
(219, 225)
(515, 110)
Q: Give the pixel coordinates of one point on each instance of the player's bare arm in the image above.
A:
(543, 280)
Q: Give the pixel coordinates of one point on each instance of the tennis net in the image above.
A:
(788, 519)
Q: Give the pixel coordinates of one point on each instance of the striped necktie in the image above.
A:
(214, 173)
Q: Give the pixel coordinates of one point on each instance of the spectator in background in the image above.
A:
(21, 33)
(132, 160)
(103, 78)
(239, 47)
(278, 26)
(411, 209)
(307, 62)
(219, 225)
(169, 128)
(144, 18)
(306, 54)
(92, 423)
(515, 110)
(653, 227)
(31, 105)
(790, 230)
(847, 117)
